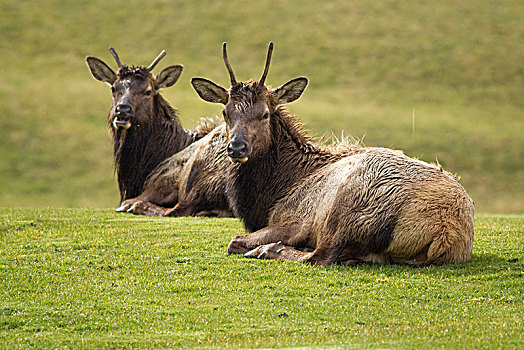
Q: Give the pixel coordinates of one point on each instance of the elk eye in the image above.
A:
(265, 115)
(148, 92)
(113, 90)
(224, 114)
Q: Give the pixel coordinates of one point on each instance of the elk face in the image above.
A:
(133, 88)
(248, 108)
(132, 94)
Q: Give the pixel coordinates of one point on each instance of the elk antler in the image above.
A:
(268, 61)
(228, 66)
(157, 59)
(115, 55)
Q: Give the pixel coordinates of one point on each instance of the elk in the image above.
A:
(344, 204)
(146, 130)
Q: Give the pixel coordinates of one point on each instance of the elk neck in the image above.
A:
(138, 150)
(256, 185)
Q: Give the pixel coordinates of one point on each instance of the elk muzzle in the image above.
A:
(123, 115)
(238, 149)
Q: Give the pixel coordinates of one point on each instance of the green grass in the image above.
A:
(457, 67)
(93, 278)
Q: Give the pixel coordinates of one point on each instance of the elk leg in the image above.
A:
(322, 255)
(278, 251)
(217, 213)
(126, 205)
(146, 208)
(271, 234)
(163, 193)
(149, 209)
(188, 208)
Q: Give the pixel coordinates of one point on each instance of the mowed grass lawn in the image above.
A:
(94, 278)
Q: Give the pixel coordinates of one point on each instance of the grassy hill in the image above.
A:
(84, 278)
(441, 80)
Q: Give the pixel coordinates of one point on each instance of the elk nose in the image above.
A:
(236, 149)
(123, 109)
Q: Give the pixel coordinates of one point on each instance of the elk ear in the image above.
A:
(168, 76)
(100, 70)
(210, 91)
(290, 91)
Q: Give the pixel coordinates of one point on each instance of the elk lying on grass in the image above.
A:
(345, 204)
(146, 129)
(192, 178)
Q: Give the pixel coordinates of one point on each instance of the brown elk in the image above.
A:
(146, 129)
(345, 204)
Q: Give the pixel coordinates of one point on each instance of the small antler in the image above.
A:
(268, 61)
(115, 55)
(157, 59)
(228, 66)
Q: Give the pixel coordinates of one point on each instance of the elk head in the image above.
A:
(133, 88)
(248, 108)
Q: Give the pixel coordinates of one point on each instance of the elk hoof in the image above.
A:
(121, 209)
(262, 252)
(257, 253)
(125, 206)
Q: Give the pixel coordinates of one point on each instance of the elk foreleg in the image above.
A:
(217, 213)
(318, 256)
(162, 193)
(270, 234)
(278, 251)
(127, 204)
(149, 209)
(148, 198)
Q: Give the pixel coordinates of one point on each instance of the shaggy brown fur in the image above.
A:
(347, 205)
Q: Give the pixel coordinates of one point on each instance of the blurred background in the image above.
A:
(441, 80)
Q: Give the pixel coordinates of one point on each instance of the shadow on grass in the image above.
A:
(480, 265)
